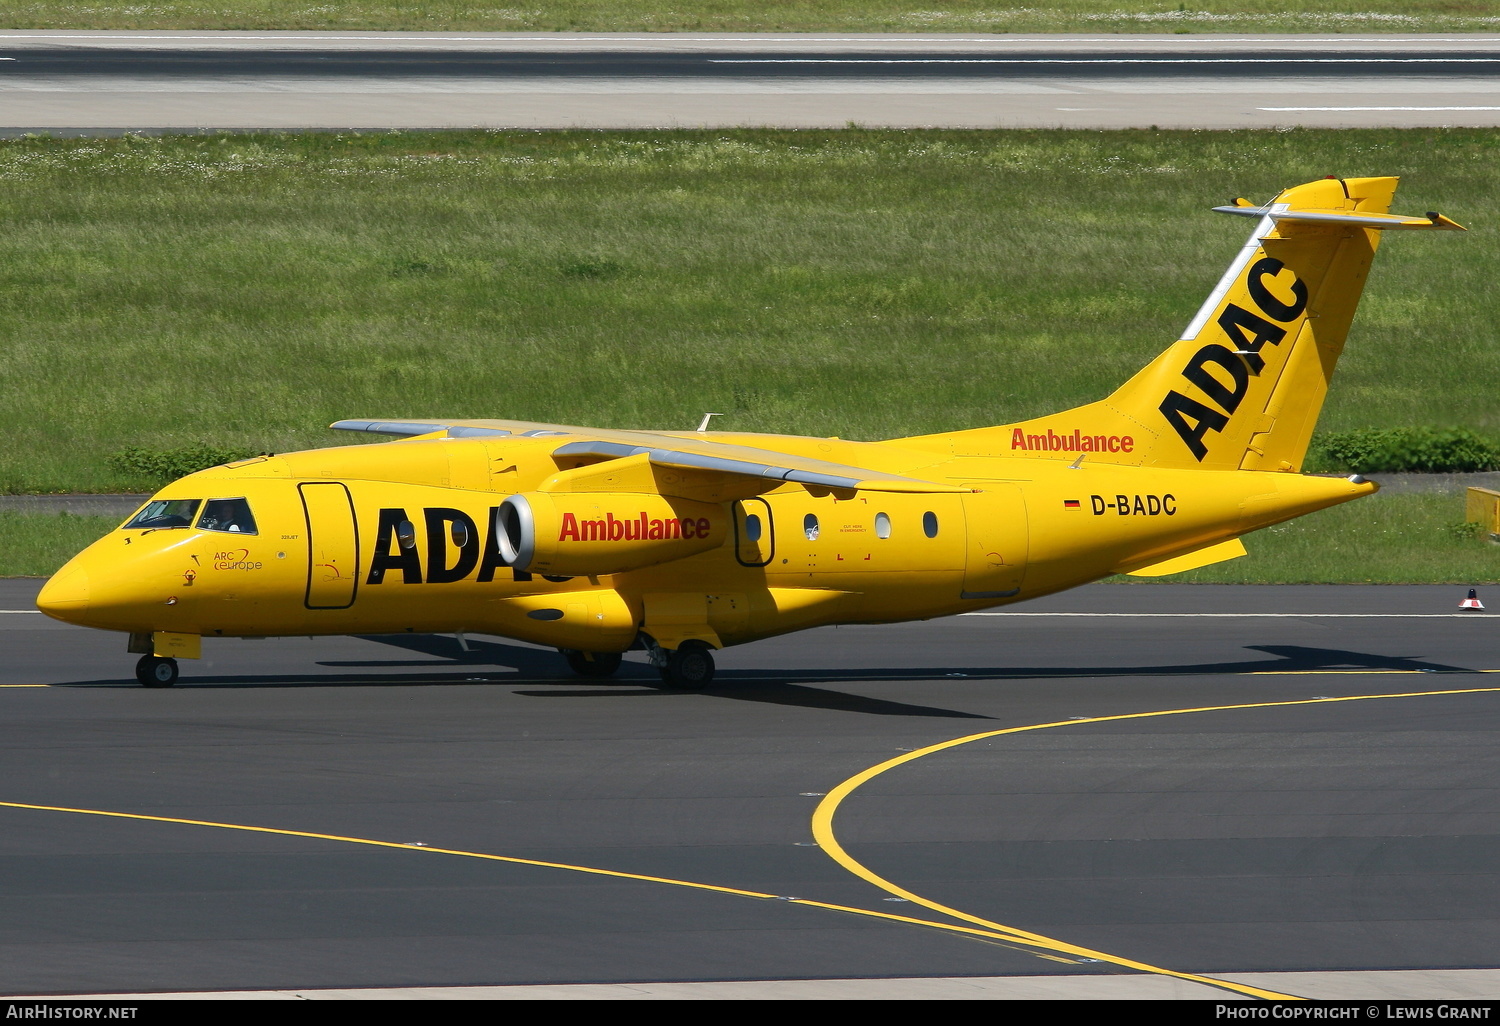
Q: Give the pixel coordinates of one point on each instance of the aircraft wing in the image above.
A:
(683, 452)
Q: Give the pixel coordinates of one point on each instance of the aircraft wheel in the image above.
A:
(592, 664)
(156, 671)
(689, 668)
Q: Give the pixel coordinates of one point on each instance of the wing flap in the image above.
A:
(773, 467)
(668, 450)
(394, 428)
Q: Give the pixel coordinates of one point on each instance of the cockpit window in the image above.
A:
(166, 513)
(229, 515)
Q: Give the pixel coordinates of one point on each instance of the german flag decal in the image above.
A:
(1071, 504)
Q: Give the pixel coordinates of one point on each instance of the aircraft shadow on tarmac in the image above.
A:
(533, 666)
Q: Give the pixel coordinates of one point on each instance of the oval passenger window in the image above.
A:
(882, 526)
(929, 524)
(752, 527)
(810, 527)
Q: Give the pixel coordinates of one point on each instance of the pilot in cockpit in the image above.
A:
(230, 515)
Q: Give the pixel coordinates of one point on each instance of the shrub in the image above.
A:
(169, 464)
(1394, 450)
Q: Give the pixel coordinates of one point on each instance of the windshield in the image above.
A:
(231, 516)
(166, 513)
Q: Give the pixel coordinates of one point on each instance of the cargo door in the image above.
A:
(332, 545)
(995, 557)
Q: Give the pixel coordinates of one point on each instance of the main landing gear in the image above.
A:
(688, 668)
(156, 671)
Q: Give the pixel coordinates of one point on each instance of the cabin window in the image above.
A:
(160, 513)
(752, 527)
(810, 526)
(882, 525)
(232, 516)
(929, 524)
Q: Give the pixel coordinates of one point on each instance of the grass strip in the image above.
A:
(1410, 538)
(242, 292)
(764, 16)
(38, 544)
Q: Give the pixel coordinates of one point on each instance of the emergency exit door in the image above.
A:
(332, 545)
(754, 534)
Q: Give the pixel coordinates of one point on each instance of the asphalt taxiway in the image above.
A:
(86, 82)
(1295, 790)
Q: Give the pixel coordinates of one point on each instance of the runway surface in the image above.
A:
(85, 82)
(1293, 789)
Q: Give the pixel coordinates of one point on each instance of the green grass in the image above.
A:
(773, 16)
(243, 292)
(1387, 539)
(37, 544)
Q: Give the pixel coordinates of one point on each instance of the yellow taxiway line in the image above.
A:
(592, 870)
(823, 833)
(822, 826)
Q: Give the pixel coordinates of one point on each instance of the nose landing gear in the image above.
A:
(156, 671)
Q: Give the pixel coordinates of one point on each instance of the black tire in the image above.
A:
(592, 664)
(689, 668)
(156, 671)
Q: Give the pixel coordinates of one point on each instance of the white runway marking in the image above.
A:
(365, 85)
(1345, 985)
(1366, 81)
(1105, 60)
(1371, 108)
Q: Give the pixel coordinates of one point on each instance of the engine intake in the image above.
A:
(597, 533)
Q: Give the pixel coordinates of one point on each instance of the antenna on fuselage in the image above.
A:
(703, 424)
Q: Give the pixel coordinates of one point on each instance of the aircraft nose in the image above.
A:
(66, 595)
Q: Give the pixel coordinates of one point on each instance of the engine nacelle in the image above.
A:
(589, 534)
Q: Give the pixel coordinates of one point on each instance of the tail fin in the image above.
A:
(1243, 387)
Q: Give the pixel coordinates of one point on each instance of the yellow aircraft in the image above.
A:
(683, 542)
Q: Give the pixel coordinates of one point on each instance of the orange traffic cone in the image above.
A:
(1472, 602)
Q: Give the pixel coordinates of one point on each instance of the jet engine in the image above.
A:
(590, 534)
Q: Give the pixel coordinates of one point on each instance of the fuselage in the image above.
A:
(405, 537)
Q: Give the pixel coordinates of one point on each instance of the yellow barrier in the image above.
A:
(1483, 508)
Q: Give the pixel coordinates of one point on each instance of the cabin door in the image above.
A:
(332, 545)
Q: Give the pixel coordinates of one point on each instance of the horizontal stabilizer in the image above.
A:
(1278, 212)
